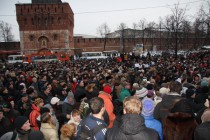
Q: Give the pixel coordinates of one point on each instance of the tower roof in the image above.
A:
(46, 1)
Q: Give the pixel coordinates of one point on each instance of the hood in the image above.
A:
(34, 107)
(104, 95)
(66, 101)
(132, 124)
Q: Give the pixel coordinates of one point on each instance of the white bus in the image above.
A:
(93, 55)
(15, 59)
(112, 53)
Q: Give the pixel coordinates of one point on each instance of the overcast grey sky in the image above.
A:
(87, 15)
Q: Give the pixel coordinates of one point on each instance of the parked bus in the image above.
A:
(112, 53)
(45, 57)
(93, 55)
(15, 59)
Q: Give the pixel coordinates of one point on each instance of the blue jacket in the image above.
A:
(91, 122)
(150, 122)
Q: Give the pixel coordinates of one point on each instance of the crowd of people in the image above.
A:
(147, 98)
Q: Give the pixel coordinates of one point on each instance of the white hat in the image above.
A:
(54, 100)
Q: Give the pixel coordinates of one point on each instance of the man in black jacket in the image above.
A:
(5, 125)
(131, 125)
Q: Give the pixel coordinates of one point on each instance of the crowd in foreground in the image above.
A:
(148, 98)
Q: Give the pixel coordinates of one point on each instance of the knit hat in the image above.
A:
(19, 121)
(189, 92)
(148, 107)
(150, 93)
(204, 83)
(206, 116)
(7, 105)
(54, 100)
(107, 89)
(141, 93)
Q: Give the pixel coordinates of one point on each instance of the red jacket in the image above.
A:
(33, 117)
(108, 106)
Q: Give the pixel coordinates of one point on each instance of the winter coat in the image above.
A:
(67, 107)
(33, 117)
(5, 126)
(123, 94)
(108, 106)
(46, 98)
(48, 131)
(131, 127)
(80, 93)
(90, 123)
(150, 122)
(179, 126)
(12, 115)
(162, 109)
(196, 107)
(202, 131)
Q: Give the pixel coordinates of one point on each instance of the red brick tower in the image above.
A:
(45, 25)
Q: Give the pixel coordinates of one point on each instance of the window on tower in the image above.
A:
(31, 37)
(25, 21)
(32, 21)
(55, 37)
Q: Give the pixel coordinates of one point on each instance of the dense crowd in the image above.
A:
(132, 98)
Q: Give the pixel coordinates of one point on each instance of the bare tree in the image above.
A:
(160, 26)
(104, 30)
(151, 30)
(203, 21)
(6, 32)
(122, 28)
(174, 24)
(135, 27)
(142, 25)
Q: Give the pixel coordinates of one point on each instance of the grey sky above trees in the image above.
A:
(90, 14)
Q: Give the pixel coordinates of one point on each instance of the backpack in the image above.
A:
(87, 134)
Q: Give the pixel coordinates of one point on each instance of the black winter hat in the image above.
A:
(189, 92)
(19, 121)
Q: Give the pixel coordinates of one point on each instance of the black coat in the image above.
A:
(131, 127)
(80, 93)
(202, 131)
(162, 109)
(5, 126)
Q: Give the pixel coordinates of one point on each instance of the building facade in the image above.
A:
(45, 25)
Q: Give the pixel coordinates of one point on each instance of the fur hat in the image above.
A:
(148, 107)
